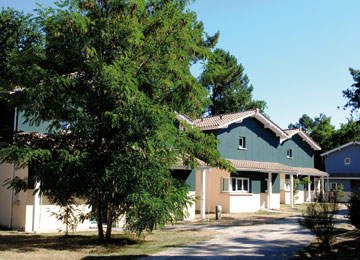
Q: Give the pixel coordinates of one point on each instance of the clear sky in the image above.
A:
(296, 53)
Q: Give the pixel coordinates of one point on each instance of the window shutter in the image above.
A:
(225, 184)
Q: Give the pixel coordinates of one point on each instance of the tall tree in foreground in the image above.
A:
(227, 84)
(110, 76)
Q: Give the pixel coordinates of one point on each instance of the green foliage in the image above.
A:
(353, 93)
(339, 192)
(305, 122)
(68, 215)
(320, 219)
(354, 209)
(297, 182)
(115, 73)
(324, 133)
(227, 84)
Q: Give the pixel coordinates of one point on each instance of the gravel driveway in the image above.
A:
(279, 240)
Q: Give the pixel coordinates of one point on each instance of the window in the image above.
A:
(289, 154)
(242, 145)
(347, 161)
(333, 185)
(235, 185)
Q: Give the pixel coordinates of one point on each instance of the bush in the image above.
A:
(320, 219)
(354, 209)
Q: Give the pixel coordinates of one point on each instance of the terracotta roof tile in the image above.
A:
(270, 166)
(221, 119)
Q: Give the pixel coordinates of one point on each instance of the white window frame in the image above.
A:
(289, 154)
(227, 185)
(347, 161)
(242, 143)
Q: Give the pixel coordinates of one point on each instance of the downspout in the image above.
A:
(203, 183)
(12, 173)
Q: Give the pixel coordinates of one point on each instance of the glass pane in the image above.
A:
(233, 182)
(239, 184)
(245, 185)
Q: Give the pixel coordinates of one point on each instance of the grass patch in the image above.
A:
(20, 245)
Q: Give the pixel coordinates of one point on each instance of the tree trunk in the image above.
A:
(109, 222)
(99, 217)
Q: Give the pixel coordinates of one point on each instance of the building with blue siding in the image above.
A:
(267, 159)
(343, 165)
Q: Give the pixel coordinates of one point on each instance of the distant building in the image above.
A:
(343, 165)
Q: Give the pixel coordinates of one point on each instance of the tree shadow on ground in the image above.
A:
(30, 242)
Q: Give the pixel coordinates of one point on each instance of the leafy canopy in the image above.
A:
(227, 85)
(110, 77)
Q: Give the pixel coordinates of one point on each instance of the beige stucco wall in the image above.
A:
(263, 200)
(19, 206)
(213, 193)
(5, 172)
(191, 209)
(230, 202)
(285, 197)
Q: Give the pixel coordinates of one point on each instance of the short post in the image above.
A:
(218, 212)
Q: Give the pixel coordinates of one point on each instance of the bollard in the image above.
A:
(218, 212)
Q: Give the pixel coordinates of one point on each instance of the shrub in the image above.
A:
(354, 209)
(320, 219)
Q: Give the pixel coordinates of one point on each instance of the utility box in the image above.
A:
(218, 212)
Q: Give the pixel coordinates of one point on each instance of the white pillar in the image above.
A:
(328, 183)
(36, 210)
(309, 190)
(269, 188)
(322, 186)
(292, 191)
(203, 184)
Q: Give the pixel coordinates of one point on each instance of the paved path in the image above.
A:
(279, 240)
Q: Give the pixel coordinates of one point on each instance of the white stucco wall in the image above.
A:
(244, 203)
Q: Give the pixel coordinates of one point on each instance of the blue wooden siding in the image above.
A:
(345, 183)
(26, 127)
(262, 145)
(335, 163)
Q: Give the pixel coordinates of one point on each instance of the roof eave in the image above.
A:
(340, 147)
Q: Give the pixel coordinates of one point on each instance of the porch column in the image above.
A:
(322, 186)
(328, 183)
(269, 188)
(292, 191)
(203, 184)
(36, 210)
(309, 190)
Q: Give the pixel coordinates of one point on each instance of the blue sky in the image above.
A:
(296, 53)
